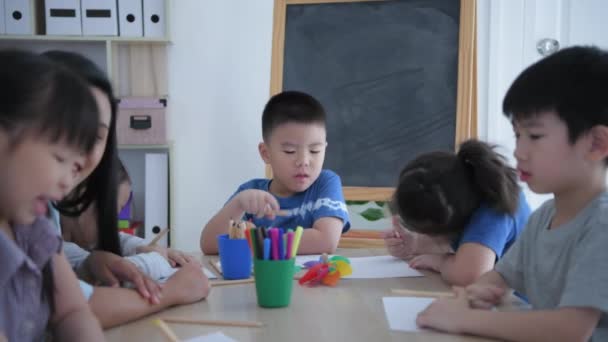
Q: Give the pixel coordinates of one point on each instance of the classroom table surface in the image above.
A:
(351, 311)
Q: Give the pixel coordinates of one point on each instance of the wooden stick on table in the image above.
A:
(418, 293)
(246, 324)
(231, 282)
(213, 264)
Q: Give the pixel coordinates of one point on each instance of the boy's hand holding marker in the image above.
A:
(258, 202)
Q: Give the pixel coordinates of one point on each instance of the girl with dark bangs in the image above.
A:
(48, 121)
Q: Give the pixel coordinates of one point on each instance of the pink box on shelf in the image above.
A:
(141, 121)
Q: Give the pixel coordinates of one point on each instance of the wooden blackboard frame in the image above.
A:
(466, 102)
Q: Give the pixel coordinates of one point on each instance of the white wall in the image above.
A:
(219, 81)
(507, 47)
(508, 32)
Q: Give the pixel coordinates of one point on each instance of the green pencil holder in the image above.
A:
(273, 282)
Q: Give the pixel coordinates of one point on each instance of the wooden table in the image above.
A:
(352, 311)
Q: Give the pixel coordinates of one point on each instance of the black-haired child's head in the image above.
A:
(295, 138)
(48, 122)
(438, 191)
(98, 183)
(559, 110)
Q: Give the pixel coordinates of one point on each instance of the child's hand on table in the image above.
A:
(173, 256)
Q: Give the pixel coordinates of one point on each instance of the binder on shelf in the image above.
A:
(154, 18)
(19, 17)
(99, 18)
(2, 19)
(63, 17)
(130, 14)
(156, 196)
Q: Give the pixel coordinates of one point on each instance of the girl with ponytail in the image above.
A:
(457, 213)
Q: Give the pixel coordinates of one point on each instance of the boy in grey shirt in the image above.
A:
(559, 111)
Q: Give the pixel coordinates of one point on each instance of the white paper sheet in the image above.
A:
(372, 267)
(401, 312)
(215, 337)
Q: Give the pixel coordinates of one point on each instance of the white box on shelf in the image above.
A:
(63, 17)
(2, 19)
(156, 196)
(99, 18)
(19, 16)
(154, 18)
(130, 22)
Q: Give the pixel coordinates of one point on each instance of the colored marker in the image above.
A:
(248, 236)
(254, 242)
(266, 249)
(289, 244)
(296, 241)
(260, 243)
(281, 244)
(274, 238)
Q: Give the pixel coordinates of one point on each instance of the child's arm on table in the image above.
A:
(462, 268)
(256, 202)
(115, 306)
(454, 315)
(72, 319)
(323, 237)
(488, 291)
(110, 269)
(405, 244)
(132, 245)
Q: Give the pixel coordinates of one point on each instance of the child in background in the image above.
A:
(293, 129)
(559, 110)
(48, 121)
(469, 201)
(83, 232)
(90, 201)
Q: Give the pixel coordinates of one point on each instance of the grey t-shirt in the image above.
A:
(566, 266)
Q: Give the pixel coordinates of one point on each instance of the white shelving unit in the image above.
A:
(137, 66)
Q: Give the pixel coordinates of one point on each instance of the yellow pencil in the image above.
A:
(169, 334)
(246, 324)
(419, 293)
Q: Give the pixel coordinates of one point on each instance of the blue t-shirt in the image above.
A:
(494, 229)
(323, 198)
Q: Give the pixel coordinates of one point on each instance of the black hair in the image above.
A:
(123, 174)
(101, 187)
(291, 106)
(39, 97)
(572, 82)
(439, 191)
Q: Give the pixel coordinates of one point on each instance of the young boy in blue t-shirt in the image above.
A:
(559, 111)
(301, 192)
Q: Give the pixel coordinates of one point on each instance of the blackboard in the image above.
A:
(387, 74)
